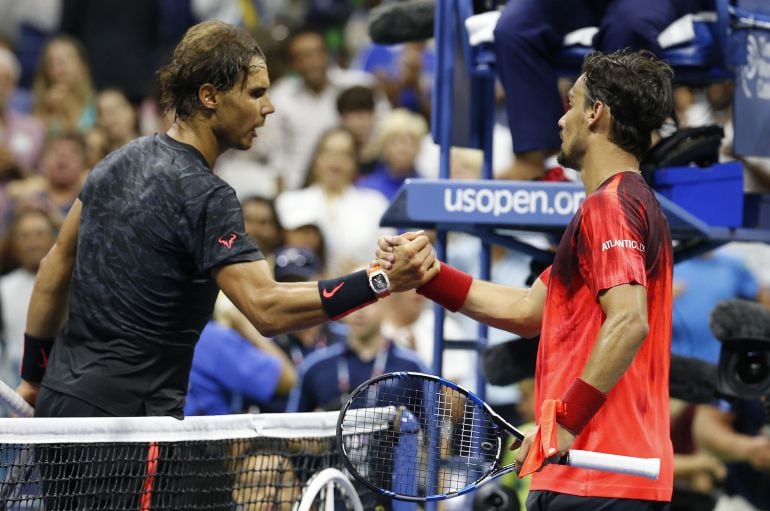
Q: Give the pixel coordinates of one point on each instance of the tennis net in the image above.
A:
(235, 462)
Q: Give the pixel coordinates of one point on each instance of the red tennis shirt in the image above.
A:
(619, 236)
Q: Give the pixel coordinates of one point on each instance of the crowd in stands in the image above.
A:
(351, 124)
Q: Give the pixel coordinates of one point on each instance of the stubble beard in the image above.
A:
(571, 158)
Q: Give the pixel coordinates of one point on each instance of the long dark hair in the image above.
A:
(210, 52)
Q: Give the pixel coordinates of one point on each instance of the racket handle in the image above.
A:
(14, 402)
(645, 467)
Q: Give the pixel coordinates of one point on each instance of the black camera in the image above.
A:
(743, 327)
(744, 369)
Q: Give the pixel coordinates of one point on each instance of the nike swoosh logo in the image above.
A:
(329, 294)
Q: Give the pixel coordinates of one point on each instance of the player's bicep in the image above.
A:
(625, 311)
(241, 282)
(628, 299)
(67, 240)
(56, 268)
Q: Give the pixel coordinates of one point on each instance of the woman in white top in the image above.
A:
(349, 217)
(30, 237)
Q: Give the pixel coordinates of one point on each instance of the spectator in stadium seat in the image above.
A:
(349, 217)
(262, 225)
(30, 237)
(63, 169)
(21, 135)
(400, 136)
(528, 37)
(314, 88)
(151, 237)
(603, 308)
(356, 107)
(116, 117)
(63, 94)
(328, 376)
(229, 371)
(410, 81)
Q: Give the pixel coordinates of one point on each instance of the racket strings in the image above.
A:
(440, 442)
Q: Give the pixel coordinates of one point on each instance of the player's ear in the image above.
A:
(208, 96)
(598, 113)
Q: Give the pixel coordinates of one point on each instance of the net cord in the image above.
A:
(169, 429)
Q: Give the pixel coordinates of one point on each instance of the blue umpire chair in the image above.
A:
(731, 43)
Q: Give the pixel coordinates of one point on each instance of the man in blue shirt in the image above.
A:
(328, 376)
(252, 374)
(699, 284)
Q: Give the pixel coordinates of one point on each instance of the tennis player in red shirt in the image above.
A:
(603, 309)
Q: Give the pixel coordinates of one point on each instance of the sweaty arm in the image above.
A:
(277, 307)
(621, 335)
(270, 306)
(48, 305)
(619, 339)
(518, 310)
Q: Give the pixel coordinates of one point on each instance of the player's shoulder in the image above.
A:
(625, 187)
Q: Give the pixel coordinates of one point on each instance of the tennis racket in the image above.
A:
(443, 440)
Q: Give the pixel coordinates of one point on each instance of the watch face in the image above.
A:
(380, 282)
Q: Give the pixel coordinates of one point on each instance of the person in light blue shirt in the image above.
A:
(699, 284)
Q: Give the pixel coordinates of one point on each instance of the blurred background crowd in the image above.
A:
(351, 124)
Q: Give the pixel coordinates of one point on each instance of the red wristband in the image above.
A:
(581, 401)
(449, 288)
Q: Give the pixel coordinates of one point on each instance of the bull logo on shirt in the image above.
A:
(228, 242)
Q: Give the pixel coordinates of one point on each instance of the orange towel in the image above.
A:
(546, 443)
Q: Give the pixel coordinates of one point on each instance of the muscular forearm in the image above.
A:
(48, 305)
(286, 307)
(503, 307)
(619, 339)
